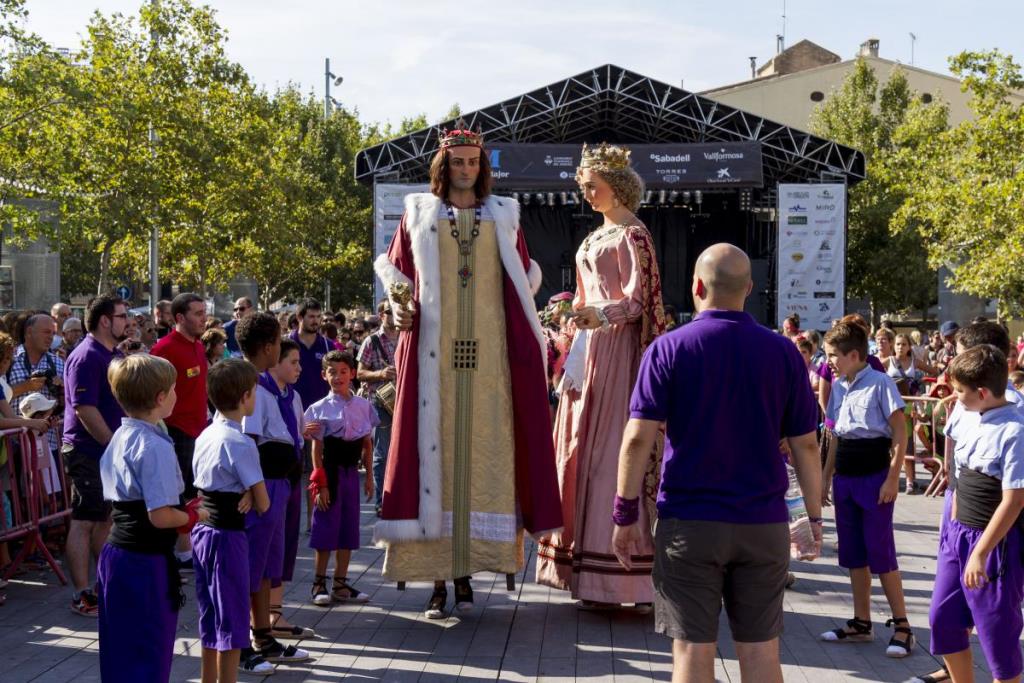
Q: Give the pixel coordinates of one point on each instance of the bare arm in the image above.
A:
(898, 425)
(807, 463)
(1002, 521)
(637, 444)
(365, 374)
(168, 517)
(95, 424)
(260, 498)
(824, 391)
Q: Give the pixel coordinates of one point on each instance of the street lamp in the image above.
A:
(329, 78)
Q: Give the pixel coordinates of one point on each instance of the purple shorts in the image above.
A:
(994, 609)
(220, 557)
(266, 535)
(863, 526)
(337, 528)
(292, 527)
(136, 620)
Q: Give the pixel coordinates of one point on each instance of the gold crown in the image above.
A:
(605, 157)
(461, 135)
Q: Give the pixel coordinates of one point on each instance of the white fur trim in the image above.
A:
(535, 277)
(421, 223)
(388, 273)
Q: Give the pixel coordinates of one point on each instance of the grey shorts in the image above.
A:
(700, 565)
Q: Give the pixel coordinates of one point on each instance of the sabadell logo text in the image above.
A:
(670, 158)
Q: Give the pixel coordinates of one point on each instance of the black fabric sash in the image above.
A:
(133, 531)
(223, 509)
(277, 459)
(860, 457)
(339, 453)
(977, 497)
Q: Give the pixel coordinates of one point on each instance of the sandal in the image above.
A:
(463, 595)
(273, 651)
(898, 649)
(291, 632)
(940, 676)
(319, 592)
(855, 631)
(251, 662)
(438, 600)
(342, 592)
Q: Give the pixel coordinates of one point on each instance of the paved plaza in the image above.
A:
(532, 634)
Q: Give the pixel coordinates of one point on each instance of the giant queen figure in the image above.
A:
(471, 463)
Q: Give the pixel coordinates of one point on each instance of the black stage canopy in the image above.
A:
(616, 105)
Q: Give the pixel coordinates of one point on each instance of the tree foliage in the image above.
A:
(964, 192)
(886, 259)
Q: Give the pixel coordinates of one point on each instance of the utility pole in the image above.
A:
(913, 39)
(154, 237)
(328, 79)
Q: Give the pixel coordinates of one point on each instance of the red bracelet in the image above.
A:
(193, 519)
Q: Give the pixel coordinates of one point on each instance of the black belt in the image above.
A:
(223, 509)
(277, 459)
(859, 457)
(339, 453)
(133, 531)
(977, 497)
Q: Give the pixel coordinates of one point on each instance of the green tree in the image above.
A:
(964, 192)
(886, 260)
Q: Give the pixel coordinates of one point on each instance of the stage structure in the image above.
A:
(712, 173)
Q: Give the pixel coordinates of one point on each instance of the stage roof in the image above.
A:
(616, 105)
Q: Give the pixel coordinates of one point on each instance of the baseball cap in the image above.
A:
(947, 328)
(36, 403)
(71, 324)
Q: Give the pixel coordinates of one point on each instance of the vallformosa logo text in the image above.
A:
(722, 155)
(670, 158)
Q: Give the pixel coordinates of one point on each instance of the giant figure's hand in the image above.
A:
(404, 316)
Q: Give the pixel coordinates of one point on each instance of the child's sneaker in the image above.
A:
(86, 604)
(252, 663)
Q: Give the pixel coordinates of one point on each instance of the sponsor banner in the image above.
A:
(388, 207)
(544, 167)
(811, 254)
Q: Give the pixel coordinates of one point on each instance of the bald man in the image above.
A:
(726, 389)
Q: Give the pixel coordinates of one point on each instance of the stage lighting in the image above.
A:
(515, 197)
(661, 196)
(526, 198)
(564, 197)
(672, 196)
(575, 197)
(540, 198)
(649, 197)
(551, 198)
(686, 197)
(698, 197)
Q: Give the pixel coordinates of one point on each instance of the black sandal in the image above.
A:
(855, 631)
(438, 600)
(463, 595)
(318, 593)
(292, 632)
(343, 592)
(273, 651)
(898, 649)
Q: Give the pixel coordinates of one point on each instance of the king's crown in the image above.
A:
(461, 135)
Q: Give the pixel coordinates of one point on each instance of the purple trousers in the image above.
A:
(292, 528)
(221, 558)
(137, 623)
(266, 535)
(993, 609)
(863, 527)
(337, 527)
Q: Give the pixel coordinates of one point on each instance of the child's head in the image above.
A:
(1017, 377)
(983, 333)
(805, 346)
(259, 337)
(143, 385)
(846, 347)
(904, 346)
(231, 385)
(288, 367)
(339, 369)
(978, 376)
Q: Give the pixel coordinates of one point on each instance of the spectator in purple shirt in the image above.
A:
(91, 416)
(722, 534)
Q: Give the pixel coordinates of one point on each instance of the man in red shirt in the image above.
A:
(183, 348)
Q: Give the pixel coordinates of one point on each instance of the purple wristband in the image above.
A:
(626, 511)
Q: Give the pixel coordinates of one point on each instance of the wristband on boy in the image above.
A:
(318, 479)
(626, 511)
(193, 519)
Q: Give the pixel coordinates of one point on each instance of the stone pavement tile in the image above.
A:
(520, 669)
(480, 669)
(595, 666)
(442, 669)
(556, 670)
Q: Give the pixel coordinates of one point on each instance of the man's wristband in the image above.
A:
(816, 520)
(626, 511)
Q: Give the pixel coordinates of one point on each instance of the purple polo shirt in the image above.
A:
(85, 384)
(728, 389)
(311, 385)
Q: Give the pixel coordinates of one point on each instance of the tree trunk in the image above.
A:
(875, 314)
(104, 284)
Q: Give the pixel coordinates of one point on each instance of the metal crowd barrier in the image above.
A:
(940, 408)
(30, 506)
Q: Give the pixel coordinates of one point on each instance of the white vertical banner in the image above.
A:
(811, 254)
(388, 206)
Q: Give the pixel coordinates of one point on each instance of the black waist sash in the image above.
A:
(223, 509)
(277, 459)
(977, 497)
(340, 453)
(133, 531)
(860, 457)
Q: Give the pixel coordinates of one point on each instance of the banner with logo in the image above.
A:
(668, 166)
(812, 253)
(388, 207)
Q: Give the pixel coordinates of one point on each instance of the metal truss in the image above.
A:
(613, 104)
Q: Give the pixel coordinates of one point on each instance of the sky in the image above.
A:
(400, 58)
